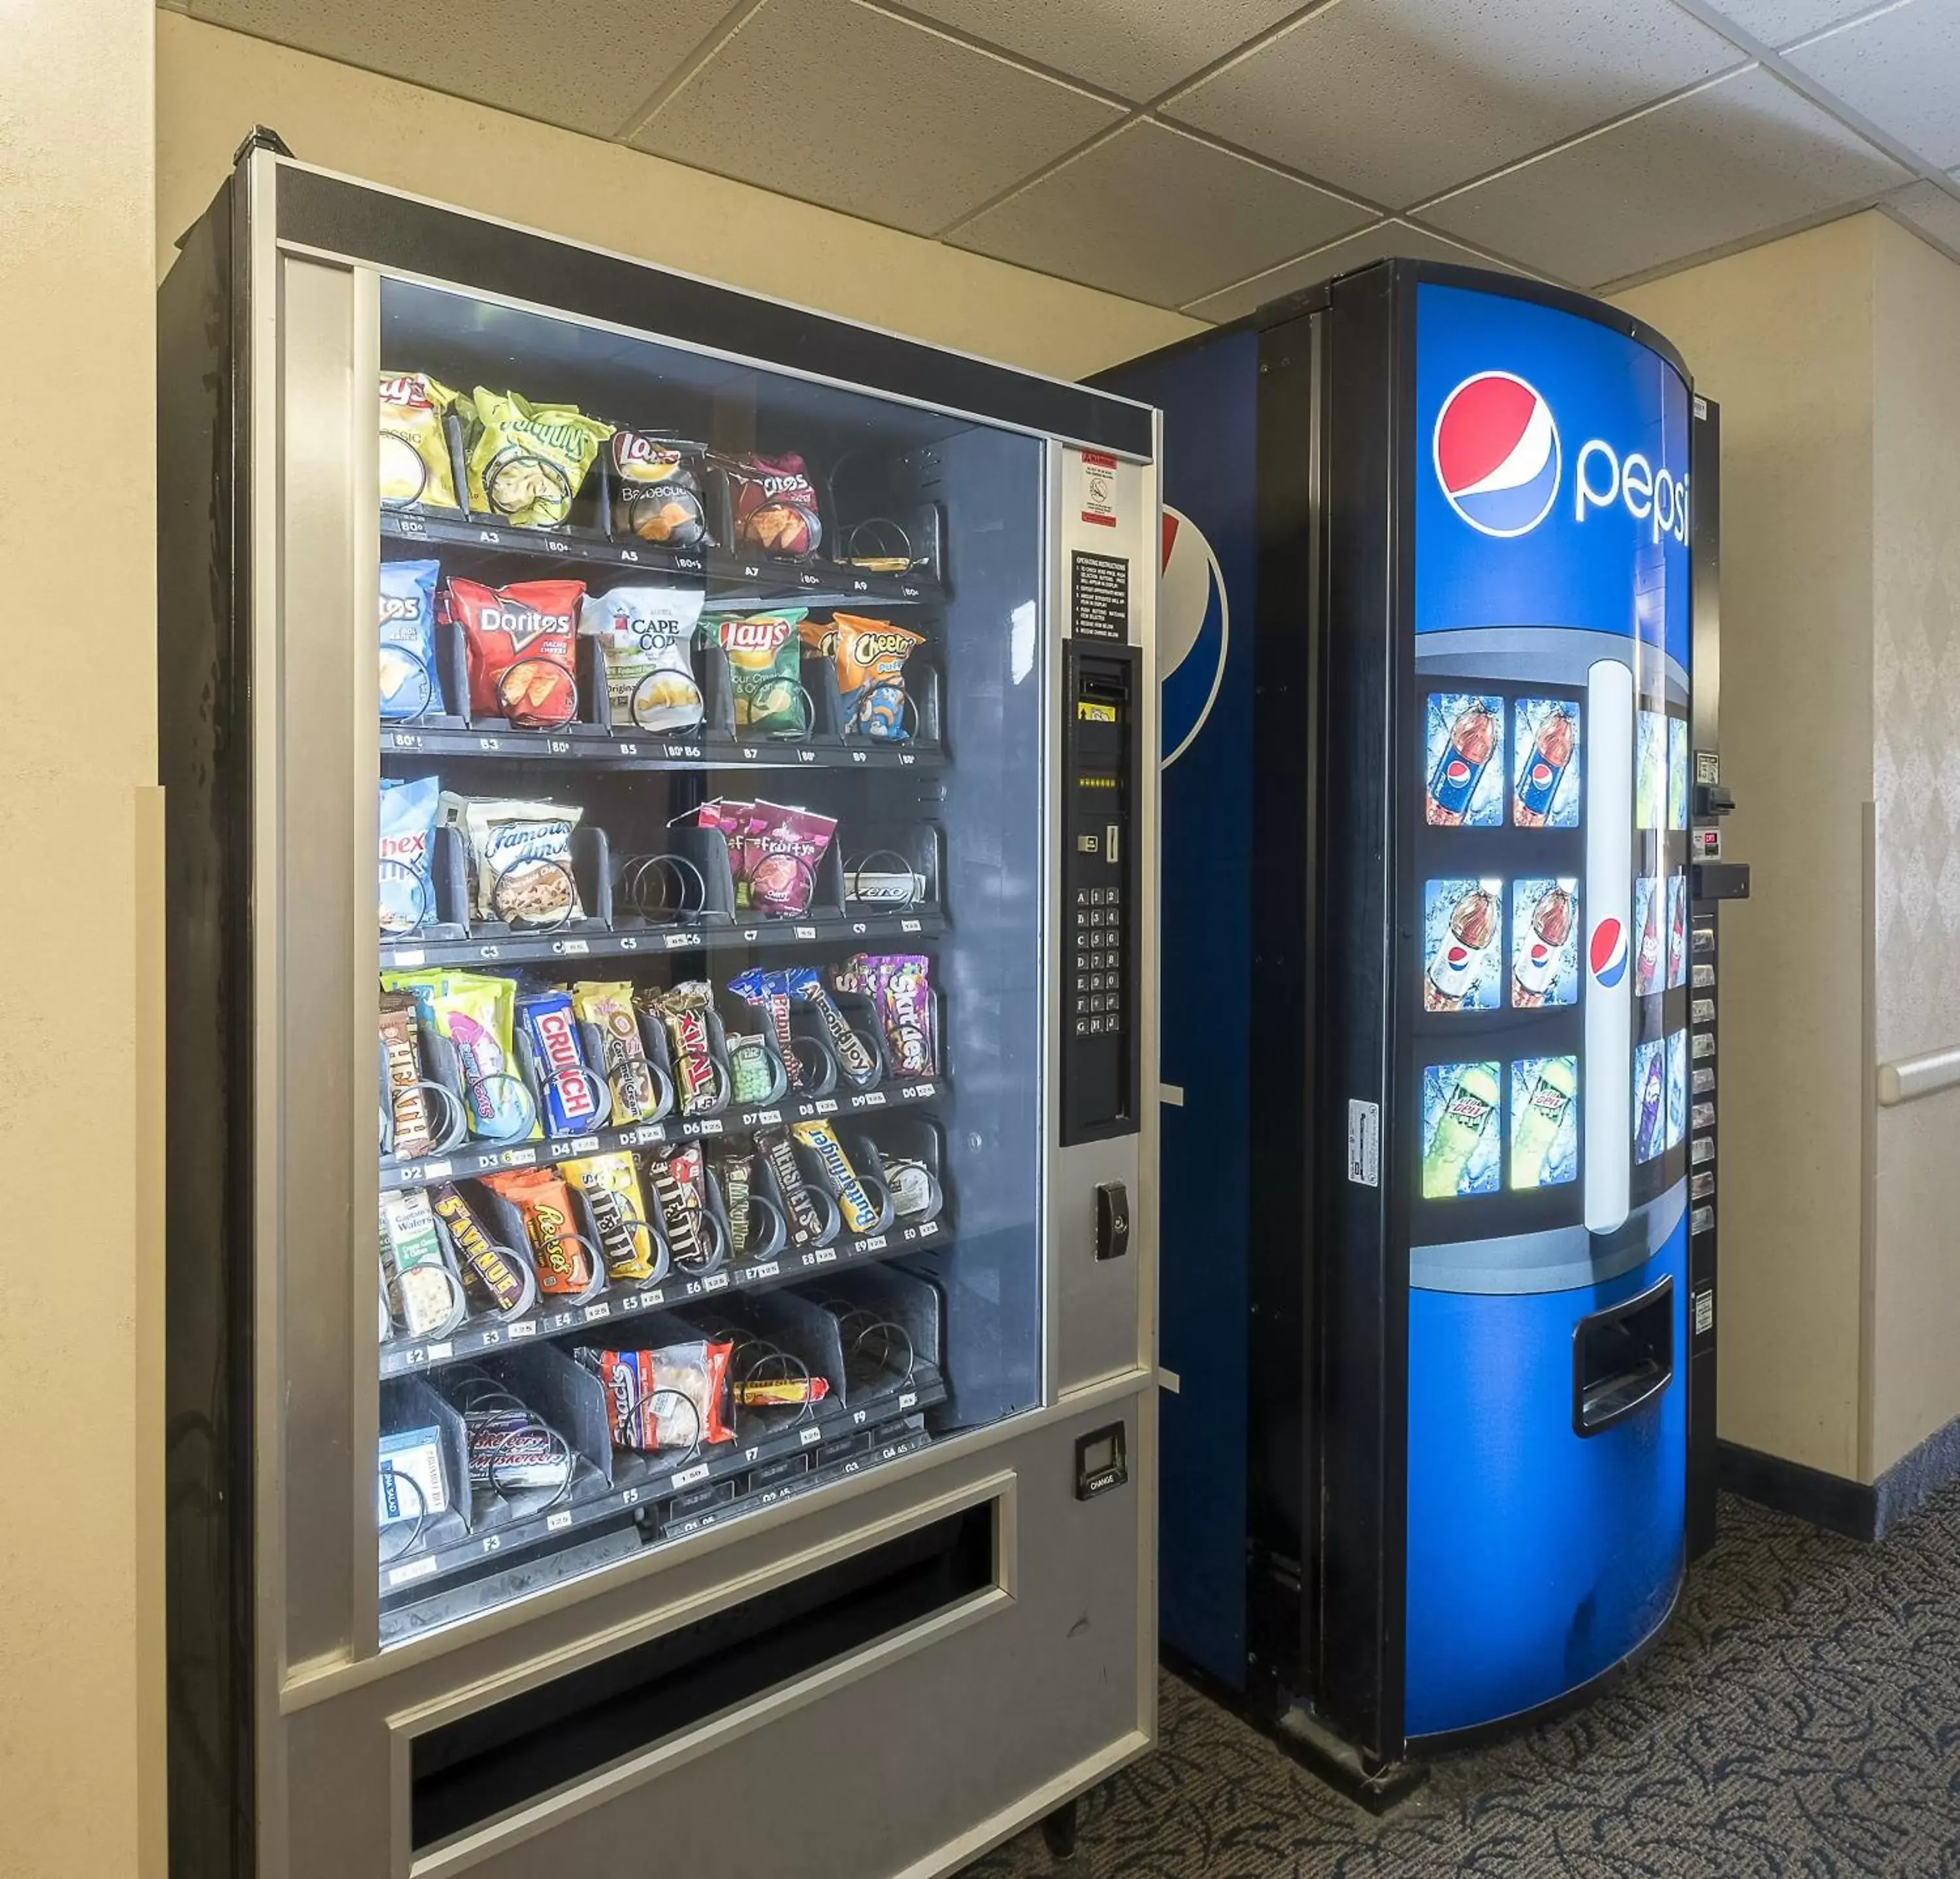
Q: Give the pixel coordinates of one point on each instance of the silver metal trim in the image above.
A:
(1558, 655)
(1558, 1259)
(653, 267)
(1907, 1079)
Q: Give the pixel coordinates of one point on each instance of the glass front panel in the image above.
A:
(711, 841)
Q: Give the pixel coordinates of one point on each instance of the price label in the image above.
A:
(825, 1106)
(711, 1125)
(518, 1158)
(419, 1568)
(870, 1099)
(767, 1270)
(435, 1171)
(585, 1145)
(823, 1255)
(907, 1398)
(763, 1116)
(810, 1436)
(558, 1522)
(525, 1329)
(715, 1282)
(409, 526)
(408, 740)
(875, 1244)
(407, 956)
(910, 925)
(656, 1296)
(593, 1313)
(570, 945)
(672, 940)
(806, 756)
(438, 1353)
(558, 746)
(687, 1477)
(806, 932)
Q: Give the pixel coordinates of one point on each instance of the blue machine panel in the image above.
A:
(1209, 398)
(1546, 1182)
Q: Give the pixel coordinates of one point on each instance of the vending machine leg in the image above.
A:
(1060, 1828)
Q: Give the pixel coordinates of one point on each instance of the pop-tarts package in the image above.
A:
(409, 685)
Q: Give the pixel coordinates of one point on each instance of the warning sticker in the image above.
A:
(1364, 1143)
(1099, 489)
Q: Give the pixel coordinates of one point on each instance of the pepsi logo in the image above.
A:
(1540, 952)
(1607, 953)
(1194, 632)
(1497, 454)
(1458, 956)
(1541, 774)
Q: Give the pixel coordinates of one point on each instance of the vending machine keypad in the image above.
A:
(1100, 783)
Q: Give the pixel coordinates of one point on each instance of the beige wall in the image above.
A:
(212, 86)
(81, 1712)
(1915, 1334)
(1832, 354)
(1781, 336)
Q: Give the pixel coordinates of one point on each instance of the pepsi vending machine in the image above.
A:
(1433, 1284)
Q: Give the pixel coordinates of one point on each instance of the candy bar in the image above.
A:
(563, 1267)
(407, 1104)
(805, 1218)
(684, 1009)
(676, 1180)
(769, 993)
(573, 1094)
(629, 1077)
(861, 1212)
(611, 1184)
(485, 1267)
(853, 1058)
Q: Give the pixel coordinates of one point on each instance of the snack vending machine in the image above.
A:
(662, 1115)
(1430, 736)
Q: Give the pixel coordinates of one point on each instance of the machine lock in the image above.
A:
(1112, 1219)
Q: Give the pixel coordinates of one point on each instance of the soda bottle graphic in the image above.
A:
(1677, 929)
(1542, 1120)
(1647, 1125)
(1647, 960)
(1470, 1109)
(1539, 957)
(1551, 751)
(1459, 962)
(1473, 739)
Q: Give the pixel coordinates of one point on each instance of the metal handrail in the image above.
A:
(1912, 1077)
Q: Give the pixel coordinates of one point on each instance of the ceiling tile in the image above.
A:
(1737, 158)
(845, 106)
(1777, 22)
(1378, 243)
(1929, 210)
(1159, 216)
(1396, 99)
(590, 72)
(1900, 68)
(1135, 48)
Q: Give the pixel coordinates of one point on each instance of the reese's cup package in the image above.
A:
(646, 637)
(765, 664)
(410, 685)
(519, 859)
(526, 462)
(775, 505)
(416, 468)
(519, 641)
(563, 1261)
(657, 489)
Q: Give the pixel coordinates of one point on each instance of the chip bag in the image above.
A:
(526, 462)
(870, 656)
(519, 641)
(668, 1398)
(409, 685)
(783, 851)
(645, 635)
(415, 468)
(406, 823)
(657, 489)
(766, 663)
(775, 505)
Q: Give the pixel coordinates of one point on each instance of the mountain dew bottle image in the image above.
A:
(1545, 1137)
(1459, 1106)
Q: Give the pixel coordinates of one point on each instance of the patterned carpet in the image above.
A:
(1801, 1720)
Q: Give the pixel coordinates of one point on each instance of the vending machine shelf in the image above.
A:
(736, 580)
(926, 923)
(833, 1434)
(404, 1356)
(612, 750)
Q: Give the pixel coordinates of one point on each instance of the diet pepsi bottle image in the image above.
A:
(1543, 762)
(1461, 967)
(1460, 1104)
(1474, 734)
